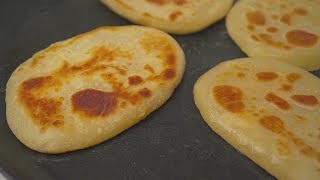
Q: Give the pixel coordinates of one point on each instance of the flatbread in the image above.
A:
(288, 30)
(267, 109)
(173, 16)
(82, 91)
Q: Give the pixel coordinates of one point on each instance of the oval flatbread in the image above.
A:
(87, 89)
(267, 109)
(288, 30)
(173, 16)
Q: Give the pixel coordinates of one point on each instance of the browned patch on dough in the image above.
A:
(44, 112)
(145, 92)
(300, 11)
(135, 80)
(147, 14)
(229, 97)
(57, 46)
(20, 69)
(275, 17)
(256, 18)
(298, 117)
(272, 29)
(293, 77)
(174, 15)
(283, 6)
(266, 38)
(121, 3)
(283, 148)
(286, 19)
(58, 123)
(147, 67)
(267, 76)
(171, 59)
(241, 75)
(169, 73)
(275, 125)
(307, 100)
(94, 103)
(272, 123)
(278, 101)
(251, 28)
(162, 2)
(255, 38)
(286, 87)
(152, 43)
(301, 38)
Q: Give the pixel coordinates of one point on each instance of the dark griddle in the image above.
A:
(172, 143)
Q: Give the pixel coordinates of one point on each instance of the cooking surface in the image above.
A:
(171, 143)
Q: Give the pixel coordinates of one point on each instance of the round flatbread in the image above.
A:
(87, 89)
(173, 16)
(267, 109)
(288, 30)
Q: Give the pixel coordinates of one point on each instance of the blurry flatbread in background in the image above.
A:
(288, 30)
(84, 90)
(267, 109)
(173, 16)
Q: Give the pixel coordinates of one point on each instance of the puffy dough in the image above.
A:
(173, 16)
(82, 91)
(267, 109)
(288, 30)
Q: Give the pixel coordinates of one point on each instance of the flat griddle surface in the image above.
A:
(171, 143)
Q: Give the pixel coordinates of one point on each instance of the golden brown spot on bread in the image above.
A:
(276, 125)
(58, 123)
(174, 15)
(94, 103)
(298, 117)
(121, 3)
(283, 148)
(255, 38)
(147, 67)
(278, 101)
(147, 14)
(301, 38)
(283, 6)
(251, 28)
(241, 75)
(135, 80)
(171, 59)
(293, 77)
(124, 104)
(300, 11)
(229, 97)
(286, 87)
(145, 92)
(273, 124)
(267, 76)
(169, 73)
(266, 38)
(272, 29)
(179, 2)
(256, 18)
(162, 2)
(44, 112)
(307, 100)
(275, 17)
(286, 19)
(57, 46)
